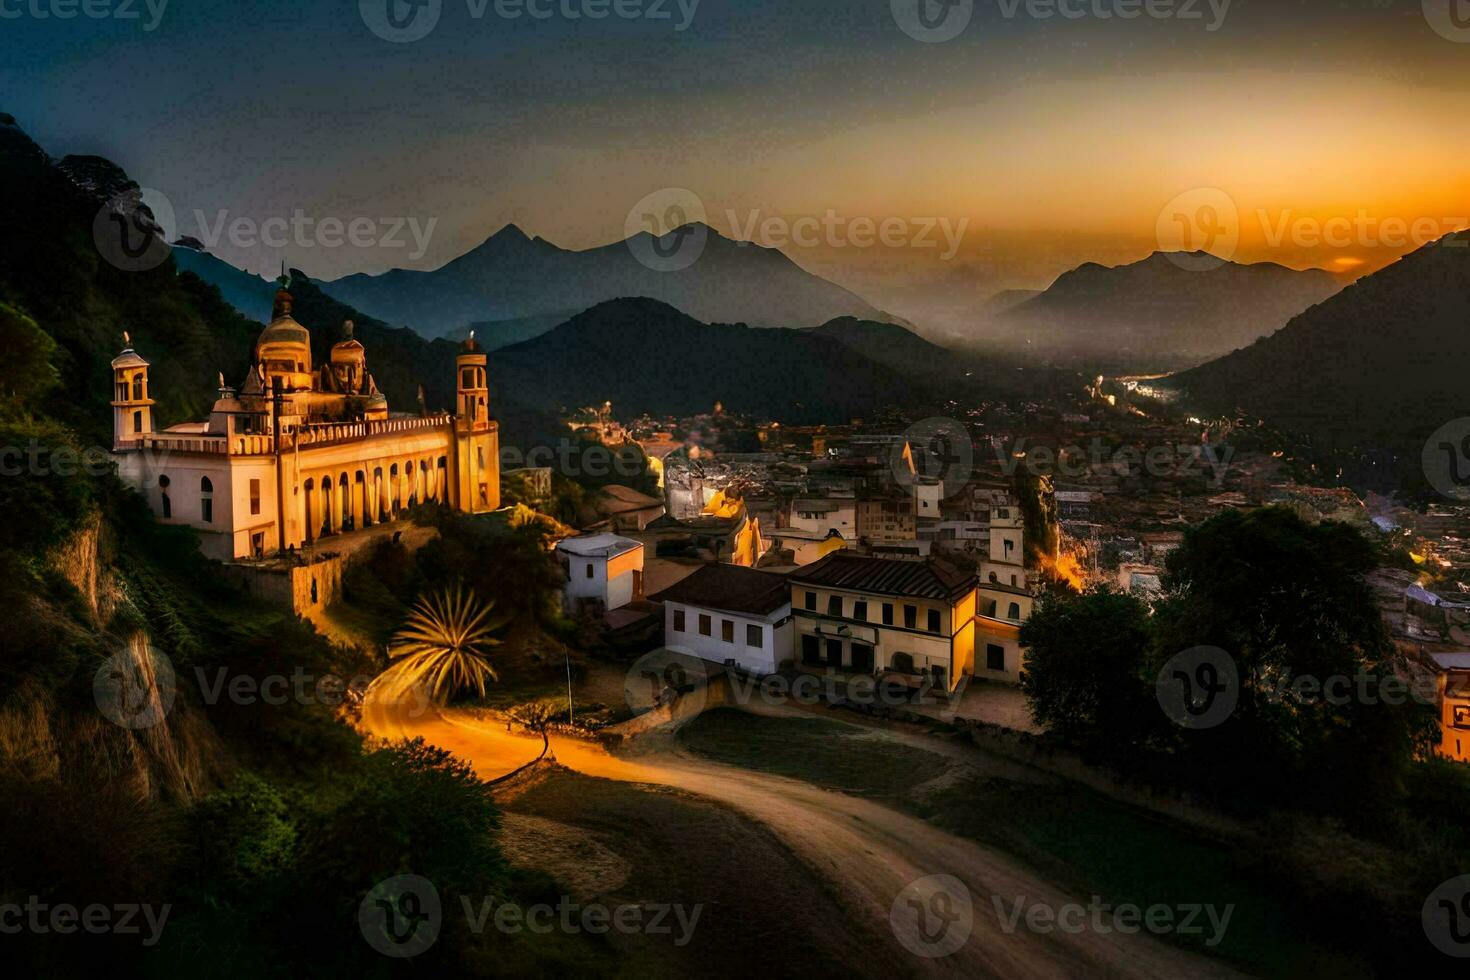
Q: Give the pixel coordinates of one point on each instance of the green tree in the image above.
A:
(1320, 716)
(1083, 677)
(26, 371)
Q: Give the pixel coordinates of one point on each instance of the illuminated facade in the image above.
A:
(301, 452)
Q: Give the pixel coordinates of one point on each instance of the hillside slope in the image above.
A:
(1381, 365)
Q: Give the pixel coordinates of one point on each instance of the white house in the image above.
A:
(603, 571)
(823, 515)
(729, 614)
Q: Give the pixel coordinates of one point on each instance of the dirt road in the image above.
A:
(870, 852)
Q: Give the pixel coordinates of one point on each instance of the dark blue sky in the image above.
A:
(1020, 123)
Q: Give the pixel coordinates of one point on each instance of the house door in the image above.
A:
(862, 658)
(811, 649)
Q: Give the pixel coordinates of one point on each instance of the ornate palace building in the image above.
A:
(301, 452)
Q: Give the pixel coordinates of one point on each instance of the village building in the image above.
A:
(911, 621)
(825, 514)
(886, 517)
(727, 614)
(1005, 563)
(624, 508)
(1453, 704)
(301, 452)
(603, 572)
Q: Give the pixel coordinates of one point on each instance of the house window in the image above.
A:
(1013, 611)
(168, 507)
(678, 620)
(910, 616)
(137, 388)
(995, 657)
(860, 610)
(137, 422)
(704, 625)
(1009, 545)
(811, 601)
(902, 663)
(727, 631)
(989, 609)
(589, 569)
(206, 500)
(254, 496)
(887, 614)
(834, 653)
(934, 620)
(834, 605)
(755, 635)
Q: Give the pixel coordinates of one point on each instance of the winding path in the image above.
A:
(870, 852)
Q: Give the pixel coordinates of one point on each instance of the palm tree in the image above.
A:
(444, 646)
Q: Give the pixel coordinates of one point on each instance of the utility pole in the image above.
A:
(568, 656)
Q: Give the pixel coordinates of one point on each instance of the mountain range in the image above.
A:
(1379, 366)
(647, 356)
(1166, 312)
(512, 276)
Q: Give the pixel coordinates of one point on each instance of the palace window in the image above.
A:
(934, 620)
(1013, 611)
(206, 500)
(860, 610)
(910, 616)
(834, 605)
(811, 601)
(254, 497)
(887, 614)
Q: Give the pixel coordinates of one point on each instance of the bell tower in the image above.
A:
(132, 408)
(476, 436)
